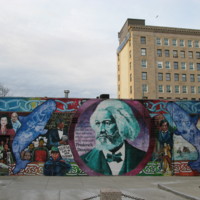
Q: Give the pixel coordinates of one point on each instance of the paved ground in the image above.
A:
(82, 187)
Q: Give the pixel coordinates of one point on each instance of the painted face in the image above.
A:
(31, 146)
(61, 125)
(6, 147)
(14, 117)
(55, 155)
(107, 135)
(41, 143)
(4, 121)
(27, 156)
(164, 127)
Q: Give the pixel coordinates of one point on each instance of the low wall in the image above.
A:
(96, 137)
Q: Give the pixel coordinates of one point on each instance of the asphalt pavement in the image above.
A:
(89, 187)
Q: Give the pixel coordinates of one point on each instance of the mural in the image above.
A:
(63, 137)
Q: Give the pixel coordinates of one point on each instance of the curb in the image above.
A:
(160, 186)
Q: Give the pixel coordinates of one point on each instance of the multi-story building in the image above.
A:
(158, 62)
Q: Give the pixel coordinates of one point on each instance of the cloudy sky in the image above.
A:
(48, 46)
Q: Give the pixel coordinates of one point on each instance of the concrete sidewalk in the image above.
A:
(82, 187)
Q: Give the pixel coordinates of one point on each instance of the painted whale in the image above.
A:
(32, 126)
(186, 127)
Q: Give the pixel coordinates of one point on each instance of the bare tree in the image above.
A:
(3, 90)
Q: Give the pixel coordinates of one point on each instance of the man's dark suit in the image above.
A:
(96, 160)
(53, 138)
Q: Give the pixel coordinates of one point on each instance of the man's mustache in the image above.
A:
(105, 135)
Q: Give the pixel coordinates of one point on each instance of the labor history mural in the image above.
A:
(98, 137)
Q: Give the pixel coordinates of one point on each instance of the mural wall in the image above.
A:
(96, 137)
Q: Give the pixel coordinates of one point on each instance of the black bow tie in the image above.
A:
(114, 157)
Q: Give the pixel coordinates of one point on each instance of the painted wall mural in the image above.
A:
(97, 137)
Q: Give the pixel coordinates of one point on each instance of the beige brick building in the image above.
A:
(158, 62)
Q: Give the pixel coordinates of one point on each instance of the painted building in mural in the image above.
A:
(96, 137)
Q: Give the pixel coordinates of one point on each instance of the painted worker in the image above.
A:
(114, 123)
(56, 166)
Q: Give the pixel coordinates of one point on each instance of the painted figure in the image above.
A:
(58, 135)
(15, 122)
(165, 136)
(26, 155)
(167, 163)
(187, 128)
(32, 126)
(7, 155)
(40, 153)
(114, 123)
(6, 129)
(56, 166)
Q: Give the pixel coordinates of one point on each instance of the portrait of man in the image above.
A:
(58, 135)
(114, 124)
(15, 121)
(56, 166)
(165, 135)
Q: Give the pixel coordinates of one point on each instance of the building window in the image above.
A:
(130, 89)
(190, 43)
(182, 54)
(158, 41)
(197, 55)
(159, 52)
(130, 54)
(199, 89)
(167, 53)
(184, 89)
(192, 78)
(191, 65)
(167, 65)
(130, 77)
(177, 89)
(118, 77)
(198, 66)
(196, 43)
(144, 63)
(175, 65)
(193, 89)
(184, 79)
(168, 77)
(160, 76)
(143, 40)
(160, 88)
(198, 77)
(190, 54)
(183, 65)
(176, 77)
(174, 42)
(166, 41)
(144, 75)
(143, 52)
(175, 54)
(144, 88)
(182, 43)
(130, 65)
(160, 65)
(168, 89)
